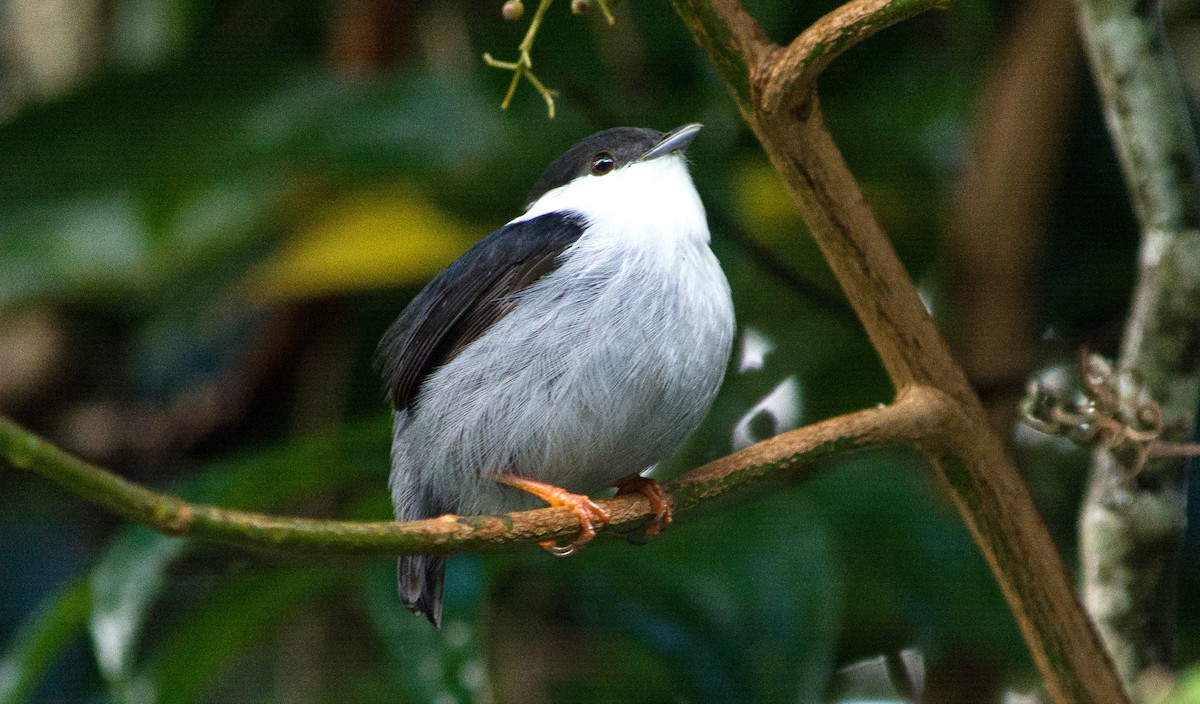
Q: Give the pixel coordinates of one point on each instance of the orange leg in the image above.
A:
(589, 513)
(653, 491)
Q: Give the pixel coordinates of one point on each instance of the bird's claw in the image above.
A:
(653, 491)
(589, 515)
(559, 550)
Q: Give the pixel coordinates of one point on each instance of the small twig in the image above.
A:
(1112, 411)
(794, 71)
(578, 7)
(523, 66)
(608, 15)
(1161, 450)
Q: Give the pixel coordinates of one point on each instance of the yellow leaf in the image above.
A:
(764, 204)
(364, 241)
(768, 211)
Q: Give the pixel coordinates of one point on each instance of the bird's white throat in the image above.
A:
(655, 196)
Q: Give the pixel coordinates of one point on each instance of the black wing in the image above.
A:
(463, 301)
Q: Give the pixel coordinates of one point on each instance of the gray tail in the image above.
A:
(420, 579)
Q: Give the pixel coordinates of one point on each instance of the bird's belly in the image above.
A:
(576, 391)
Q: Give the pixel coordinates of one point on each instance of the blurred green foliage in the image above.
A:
(220, 218)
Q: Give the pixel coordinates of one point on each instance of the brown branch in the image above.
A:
(787, 457)
(793, 71)
(862, 258)
(966, 455)
(974, 466)
(1160, 450)
(733, 41)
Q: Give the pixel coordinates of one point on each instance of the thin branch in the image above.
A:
(606, 11)
(523, 66)
(787, 457)
(793, 72)
(1160, 450)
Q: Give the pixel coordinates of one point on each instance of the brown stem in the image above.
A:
(1159, 450)
(966, 455)
(971, 461)
(794, 70)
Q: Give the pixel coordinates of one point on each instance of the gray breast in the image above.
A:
(600, 371)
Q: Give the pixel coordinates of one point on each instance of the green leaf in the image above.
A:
(430, 665)
(128, 578)
(221, 627)
(744, 606)
(124, 584)
(57, 622)
(1187, 689)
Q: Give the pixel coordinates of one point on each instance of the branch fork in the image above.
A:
(523, 66)
(774, 88)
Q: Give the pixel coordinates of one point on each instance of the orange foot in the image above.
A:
(653, 491)
(587, 510)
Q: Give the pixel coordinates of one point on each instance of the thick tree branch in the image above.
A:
(787, 457)
(734, 43)
(968, 458)
(1130, 529)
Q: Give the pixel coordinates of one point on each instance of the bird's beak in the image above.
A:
(676, 141)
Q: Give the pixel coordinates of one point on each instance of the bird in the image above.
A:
(565, 353)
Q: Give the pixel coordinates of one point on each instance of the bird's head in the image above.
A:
(623, 172)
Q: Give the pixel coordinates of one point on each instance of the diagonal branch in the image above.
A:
(787, 457)
(968, 458)
(735, 44)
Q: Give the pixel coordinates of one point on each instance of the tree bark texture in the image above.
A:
(1131, 526)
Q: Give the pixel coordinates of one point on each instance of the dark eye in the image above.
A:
(602, 163)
